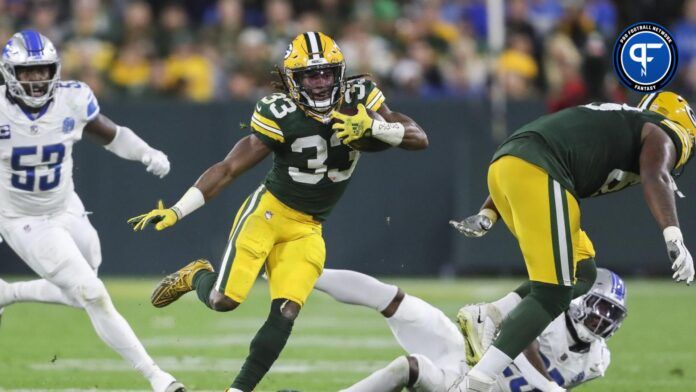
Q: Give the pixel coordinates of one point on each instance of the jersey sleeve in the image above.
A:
(366, 92)
(266, 127)
(681, 139)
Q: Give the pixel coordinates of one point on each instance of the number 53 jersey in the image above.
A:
(311, 166)
(36, 150)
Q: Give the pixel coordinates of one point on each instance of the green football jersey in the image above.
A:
(311, 167)
(592, 149)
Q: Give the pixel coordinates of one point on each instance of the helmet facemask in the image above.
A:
(596, 316)
(33, 92)
(318, 89)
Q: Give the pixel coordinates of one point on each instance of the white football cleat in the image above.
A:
(479, 324)
(165, 382)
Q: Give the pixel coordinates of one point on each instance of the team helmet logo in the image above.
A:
(645, 57)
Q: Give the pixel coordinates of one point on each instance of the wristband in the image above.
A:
(490, 214)
(391, 133)
(192, 200)
(672, 233)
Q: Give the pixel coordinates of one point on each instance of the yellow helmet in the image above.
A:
(676, 109)
(314, 53)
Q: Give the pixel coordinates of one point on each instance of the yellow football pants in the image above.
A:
(288, 242)
(543, 216)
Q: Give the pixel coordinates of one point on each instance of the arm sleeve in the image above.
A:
(366, 92)
(88, 106)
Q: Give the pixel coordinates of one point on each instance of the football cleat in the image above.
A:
(175, 387)
(478, 382)
(479, 324)
(174, 285)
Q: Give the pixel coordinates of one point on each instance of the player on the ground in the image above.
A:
(41, 217)
(536, 178)
(279, 225)
(570, 351)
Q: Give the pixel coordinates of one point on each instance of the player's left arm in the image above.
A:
(399, 128)
(658, 157)
(123, 142)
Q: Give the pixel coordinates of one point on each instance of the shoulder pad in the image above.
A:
(269, 113)
(364, 91)
(81, 98)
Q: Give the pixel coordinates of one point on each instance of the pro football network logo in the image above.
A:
(645, 57)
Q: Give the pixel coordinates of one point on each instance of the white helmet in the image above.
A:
(600, 312)
(28, 48)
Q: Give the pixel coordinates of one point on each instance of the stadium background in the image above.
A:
(185, 75)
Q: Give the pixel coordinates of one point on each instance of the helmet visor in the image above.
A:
(319, 86)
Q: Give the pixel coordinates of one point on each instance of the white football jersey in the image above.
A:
(36, 150)
(566, 367)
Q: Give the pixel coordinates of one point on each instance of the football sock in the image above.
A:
(203, 281)
(391, 378)
(354, 288)
(530, 317)
(265, 348)
(492, 363)
(39, 290)
(412, 324)
(585, 275)
(507, 303)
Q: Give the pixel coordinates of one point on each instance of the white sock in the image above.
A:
(492, 363)
(392, 378)
(354, 288)
(506, 304)
(39, 290)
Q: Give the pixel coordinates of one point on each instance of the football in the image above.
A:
(366, 144)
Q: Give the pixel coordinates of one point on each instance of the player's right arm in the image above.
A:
(479, 224)
(658, 157)
(248, 152)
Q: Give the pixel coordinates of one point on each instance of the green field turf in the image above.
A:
(333, 345)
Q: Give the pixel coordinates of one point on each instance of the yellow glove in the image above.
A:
(353, 127)
(160, 217)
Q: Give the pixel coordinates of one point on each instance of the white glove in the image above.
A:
(156, 162)
(682, 262)
(476, 225)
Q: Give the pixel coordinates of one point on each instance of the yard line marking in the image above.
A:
(366, 343)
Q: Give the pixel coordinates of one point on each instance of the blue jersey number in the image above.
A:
(518, 384)
(51, 155)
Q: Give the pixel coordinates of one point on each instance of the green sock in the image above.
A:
(543, 304)
(585, 274)
(264, 349)
(203, 281)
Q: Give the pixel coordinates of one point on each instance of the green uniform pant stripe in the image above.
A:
(230, 249)
(560, 233)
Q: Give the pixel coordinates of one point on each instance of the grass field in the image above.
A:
(333, 345)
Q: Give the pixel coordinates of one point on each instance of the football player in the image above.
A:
(570, 351)
(541, 171)
(280, 224)
(41, 217)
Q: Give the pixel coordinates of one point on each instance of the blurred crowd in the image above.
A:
(203, 50)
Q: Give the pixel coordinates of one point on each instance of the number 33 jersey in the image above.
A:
(311, 166)
(36, 150)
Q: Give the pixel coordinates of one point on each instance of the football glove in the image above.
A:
(474, 226)
(157, 162)
(353, 127)
(160, 217)
(682, 262)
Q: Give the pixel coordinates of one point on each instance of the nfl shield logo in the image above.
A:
(5, 132)
(68, 124)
